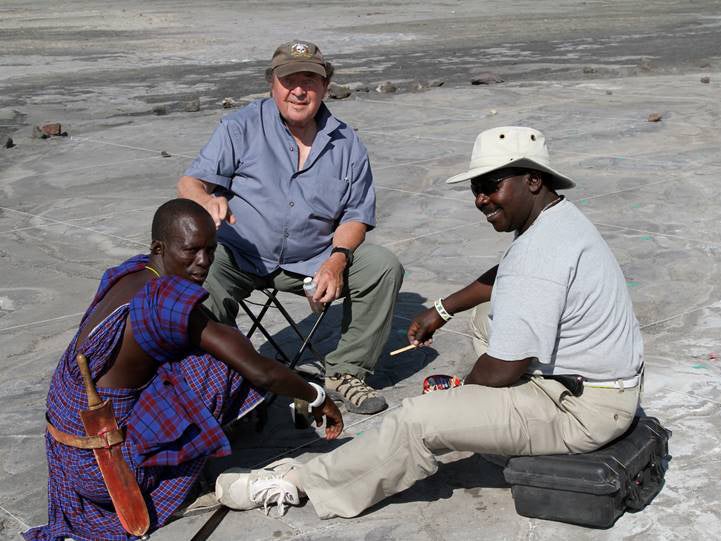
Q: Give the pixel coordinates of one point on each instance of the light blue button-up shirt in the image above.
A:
(285, 217)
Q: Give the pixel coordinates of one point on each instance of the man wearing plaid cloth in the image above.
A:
(173, 375)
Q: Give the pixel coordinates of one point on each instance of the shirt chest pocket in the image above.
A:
(325, 197)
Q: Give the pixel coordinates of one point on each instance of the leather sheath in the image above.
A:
(99, 422)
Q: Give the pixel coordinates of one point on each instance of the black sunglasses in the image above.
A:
(488, 184)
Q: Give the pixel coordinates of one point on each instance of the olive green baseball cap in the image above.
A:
(296, 56)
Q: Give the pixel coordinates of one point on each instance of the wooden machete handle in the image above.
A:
(93, 397)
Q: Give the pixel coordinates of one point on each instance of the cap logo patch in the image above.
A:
(301, 50)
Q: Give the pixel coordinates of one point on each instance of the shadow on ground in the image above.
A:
(472, 475)
(387, 372)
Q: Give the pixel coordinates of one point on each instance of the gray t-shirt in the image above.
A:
(560, 296)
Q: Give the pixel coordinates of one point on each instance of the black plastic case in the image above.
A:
(593, 489)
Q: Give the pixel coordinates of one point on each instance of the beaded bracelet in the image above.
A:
(442, 311)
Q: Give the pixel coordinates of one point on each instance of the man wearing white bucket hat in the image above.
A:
(560, 350)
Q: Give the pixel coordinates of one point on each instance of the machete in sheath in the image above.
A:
(122, 486)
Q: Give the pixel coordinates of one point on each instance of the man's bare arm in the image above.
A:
(202, 193)
(493, 372)
(350, 235)
(231, 347)
(421, 330)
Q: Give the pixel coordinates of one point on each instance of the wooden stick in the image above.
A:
(211, 524)
(401, 350)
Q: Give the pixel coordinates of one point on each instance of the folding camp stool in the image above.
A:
(306, 340)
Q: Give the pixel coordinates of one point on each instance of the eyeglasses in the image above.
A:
(485, 186)
(488, 185)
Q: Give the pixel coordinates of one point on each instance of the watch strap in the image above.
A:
(345, 251)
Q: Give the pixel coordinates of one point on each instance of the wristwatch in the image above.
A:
(345, 251)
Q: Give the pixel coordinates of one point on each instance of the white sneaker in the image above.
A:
(242, 489)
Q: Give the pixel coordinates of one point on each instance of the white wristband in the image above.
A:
(442, 311)
(320, 397)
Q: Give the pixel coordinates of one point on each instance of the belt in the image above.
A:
(620, 383)
(107, 439)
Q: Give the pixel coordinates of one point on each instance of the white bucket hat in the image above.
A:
(511, 146)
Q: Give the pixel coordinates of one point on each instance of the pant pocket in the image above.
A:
(539, 404)
(598, 417)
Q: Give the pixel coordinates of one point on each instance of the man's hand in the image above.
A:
(421, 329)
(202, 193)
(329, 279)
(333, 419)
(217, 207)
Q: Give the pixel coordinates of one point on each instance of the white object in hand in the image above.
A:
(309, 289)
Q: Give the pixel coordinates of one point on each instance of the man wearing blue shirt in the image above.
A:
(290, 188)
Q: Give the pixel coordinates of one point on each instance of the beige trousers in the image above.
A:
(533, 417)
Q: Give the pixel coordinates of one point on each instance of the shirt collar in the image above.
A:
(327, 123)
(325, 120)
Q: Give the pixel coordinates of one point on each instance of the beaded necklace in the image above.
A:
(156, 273)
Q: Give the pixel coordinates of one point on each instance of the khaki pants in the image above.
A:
(373, 281)
(533, 417)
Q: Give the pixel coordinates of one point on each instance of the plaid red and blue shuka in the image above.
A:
(173, 423)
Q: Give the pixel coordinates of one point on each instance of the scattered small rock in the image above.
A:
(229, 103)
(386, 88)
(609, 92)
(160, 110)
(358, 87)
(338, 92)
(192, 106)
(486, 78)
(436, 82)
(705, 65)
(645, 65)
(52, 129)
(706, 79)
(654, 117)
(165, 154)
(38, 133)
(9, 143)
(589, 69)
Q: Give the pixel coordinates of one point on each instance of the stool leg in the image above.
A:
(253, 317)
(264, 332)
(306, 339)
